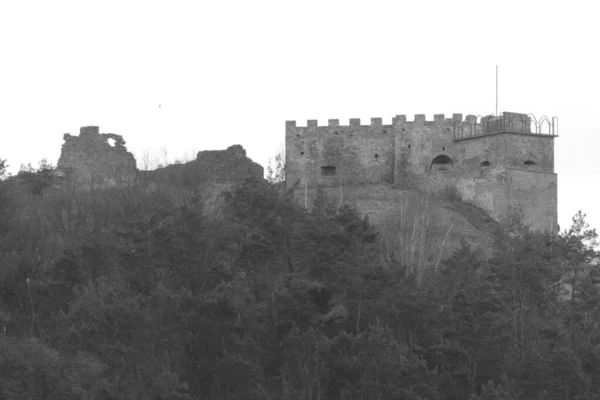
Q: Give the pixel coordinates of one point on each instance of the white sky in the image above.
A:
(232, 72)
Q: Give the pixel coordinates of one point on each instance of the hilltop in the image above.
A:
(140, 287)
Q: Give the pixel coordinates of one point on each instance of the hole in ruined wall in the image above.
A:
(441, 163)
(443, 149)
(484, 164)
(111, 142)
(409, 146)
(328, 170)
(297, 135)
(529, 162)
(301, 153)
(376, 155)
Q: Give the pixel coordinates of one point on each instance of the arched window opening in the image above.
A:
(328, 170)
(529, 162)
(484, 164)
(441, 163)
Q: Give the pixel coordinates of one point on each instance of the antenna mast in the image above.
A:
(496, 89)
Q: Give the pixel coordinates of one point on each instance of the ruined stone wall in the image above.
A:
(336, 154)
(224, 166)
(103, 159)
(92, 157)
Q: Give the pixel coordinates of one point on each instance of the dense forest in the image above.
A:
(125, 293)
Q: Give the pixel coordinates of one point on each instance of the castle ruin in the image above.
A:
(502, 164)
(102, 159)
(92, 157)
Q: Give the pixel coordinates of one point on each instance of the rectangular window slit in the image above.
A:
(328, 170)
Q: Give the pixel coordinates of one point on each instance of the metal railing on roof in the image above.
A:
(508, 122)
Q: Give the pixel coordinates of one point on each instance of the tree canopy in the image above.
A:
(121, 293)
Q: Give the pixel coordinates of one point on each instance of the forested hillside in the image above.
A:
(122, 293)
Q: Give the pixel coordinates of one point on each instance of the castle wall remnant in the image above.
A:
(217, 166)
(498, 163)
(230, 165)
(103, 159)
(98, 158)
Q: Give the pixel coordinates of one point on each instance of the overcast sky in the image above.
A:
(197, 75)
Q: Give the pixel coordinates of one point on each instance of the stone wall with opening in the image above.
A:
(337, 154)
(95, 158)
(425, 155)
(102, 159)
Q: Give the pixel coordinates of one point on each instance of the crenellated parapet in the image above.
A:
(461, 128)
(313, 123)
(375, 122)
